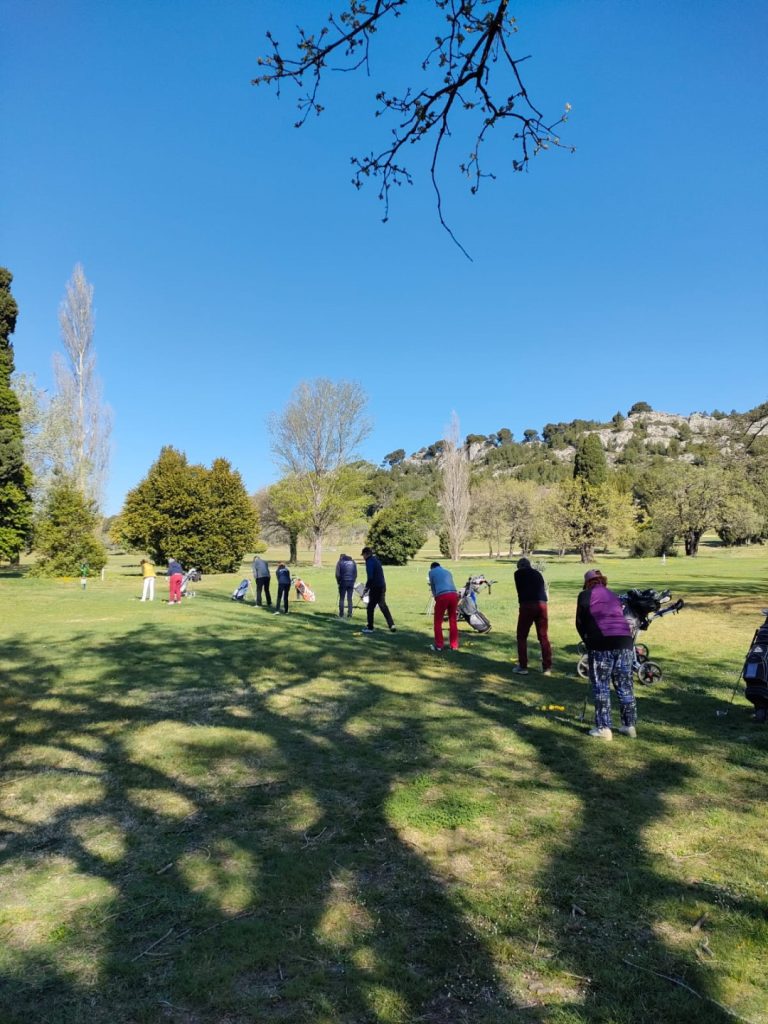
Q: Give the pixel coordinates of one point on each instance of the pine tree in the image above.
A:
(65, 540)
(15, 500)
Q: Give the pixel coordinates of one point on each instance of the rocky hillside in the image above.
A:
(642, 432)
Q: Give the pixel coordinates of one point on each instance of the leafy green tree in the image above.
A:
(284, 514)
(232, 520)
(399, 531)
(639, 407)
(394, 458)
(201, 517)
(315, 439)
(16, 508)
(65, 536)
(589, 463)
(594, 515)
(683, 501)
(523, 515)
(740, 520)
(487, 515)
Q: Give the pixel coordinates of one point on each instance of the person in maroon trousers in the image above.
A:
(532, 595)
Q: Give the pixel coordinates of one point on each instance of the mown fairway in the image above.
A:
(212, 814)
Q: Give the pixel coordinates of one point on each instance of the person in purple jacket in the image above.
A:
(607, 636)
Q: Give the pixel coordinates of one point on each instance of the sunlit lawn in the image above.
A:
(213, 814)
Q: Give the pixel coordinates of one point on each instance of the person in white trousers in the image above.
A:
(148, 572)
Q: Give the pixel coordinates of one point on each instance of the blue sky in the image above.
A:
(231, 258)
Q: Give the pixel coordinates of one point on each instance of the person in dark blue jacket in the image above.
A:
(283, 576)
(346, 574)
(376, 589)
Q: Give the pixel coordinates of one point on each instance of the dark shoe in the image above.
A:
(366, 630)
(392, 629)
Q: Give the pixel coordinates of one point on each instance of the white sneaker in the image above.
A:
(437, 650)
(628, 730)
(519, 671)
(601, 733)
(366, 630)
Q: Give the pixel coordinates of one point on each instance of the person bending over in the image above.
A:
(607, 636)
(446, 600)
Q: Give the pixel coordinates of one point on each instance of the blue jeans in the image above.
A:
(606, 667)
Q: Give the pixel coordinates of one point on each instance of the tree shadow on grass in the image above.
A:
(234, 817)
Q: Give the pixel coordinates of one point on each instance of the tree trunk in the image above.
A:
(692, 539)
(293, 547)
(587, 552)
(318, 542)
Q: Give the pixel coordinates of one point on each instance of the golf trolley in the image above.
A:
(640, 608)
(755, 671)
(192, 576)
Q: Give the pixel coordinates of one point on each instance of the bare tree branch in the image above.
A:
(469, 69)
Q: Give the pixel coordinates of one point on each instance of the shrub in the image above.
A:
(396, 533)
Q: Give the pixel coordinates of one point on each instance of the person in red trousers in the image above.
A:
(446, 600)
(175, 576)
(532, 595)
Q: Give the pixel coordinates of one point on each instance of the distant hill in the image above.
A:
(626, 440)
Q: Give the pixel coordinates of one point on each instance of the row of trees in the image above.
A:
(54, 451)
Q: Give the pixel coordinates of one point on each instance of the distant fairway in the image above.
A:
(214, 815)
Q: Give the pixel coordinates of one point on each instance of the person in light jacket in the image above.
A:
(148, 574)
(446, 600)
(262, 576)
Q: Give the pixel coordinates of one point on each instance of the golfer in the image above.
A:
(376, 589)
(148, 575)
(262, 576)
(175, 575)
(607, 636)
(532, 597)
(446, 600)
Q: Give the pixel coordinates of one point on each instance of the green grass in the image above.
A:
(213, 815)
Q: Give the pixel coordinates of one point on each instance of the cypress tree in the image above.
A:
(15, 500)
(590, 464)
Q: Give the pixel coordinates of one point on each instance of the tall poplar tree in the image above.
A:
(15, 500)
(80, 421)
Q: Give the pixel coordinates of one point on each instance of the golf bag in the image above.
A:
(192, 576)
(468, 610)
(362, 597)
(755, 671)
(302, 590)
(241, 590)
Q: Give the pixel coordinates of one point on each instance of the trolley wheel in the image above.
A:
(649, 672)
(583, 666)
(642, 653)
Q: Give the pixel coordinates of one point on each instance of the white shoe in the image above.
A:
(519, 671)
(437, 650)
(366, 630)
(628, 730)
(601, 733)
